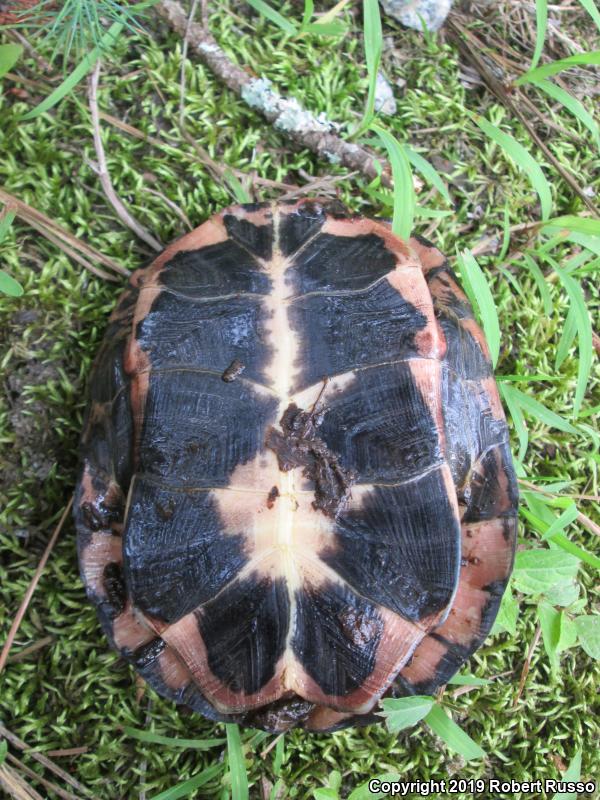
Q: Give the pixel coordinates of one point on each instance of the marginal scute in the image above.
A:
(296, 493)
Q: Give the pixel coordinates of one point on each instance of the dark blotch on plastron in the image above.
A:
(175, 564)
(283, 714)
(258, 239)
(148, 653)
(106, 442)
(198, 429)
(400, 547)
(196, 335)
(321, 643)
(469, 423)
(340, 333)
(464, 354)
(297, 227)
(381, 427)
(492, 489)
(244, 631)
(114, 588)
(217, 269)
(337, 263)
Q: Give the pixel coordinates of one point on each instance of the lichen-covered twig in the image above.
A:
(285, 114)
(101, 169)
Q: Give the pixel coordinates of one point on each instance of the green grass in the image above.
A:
(74, 691)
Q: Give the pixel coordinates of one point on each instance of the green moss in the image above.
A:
(74, 691)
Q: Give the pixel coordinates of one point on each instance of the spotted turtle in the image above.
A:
(296, 493)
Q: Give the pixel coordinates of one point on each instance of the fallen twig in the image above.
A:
(13, 739)
(101, 168)
(61, 237)
(527, 664)
(32, 587)
(583, 519)
(464, 40)
(285, 114)
(32, 648)
(45, 783)
(13, 783)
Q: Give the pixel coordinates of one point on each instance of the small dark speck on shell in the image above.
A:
(233, 371)
(272, 496)
(165, 510)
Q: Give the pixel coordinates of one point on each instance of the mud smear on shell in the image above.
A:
(298, 444)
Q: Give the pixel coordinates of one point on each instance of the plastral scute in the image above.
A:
(296, 493)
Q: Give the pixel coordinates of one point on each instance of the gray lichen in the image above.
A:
(384, 96)
(413, 13)
(290, 116)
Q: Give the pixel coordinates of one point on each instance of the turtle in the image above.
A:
(296, 493)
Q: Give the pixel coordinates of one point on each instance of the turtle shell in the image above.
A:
(296, 492)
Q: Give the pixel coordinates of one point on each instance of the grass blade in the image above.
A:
(187, 787)
(468, 680)
(480, 293)
(505, 235)
(541, 25)
(457, 740)
(570, 547)
(237, 766)
(572, 104)
(514, 409)
(568, 516)
(309, 10)
(373, 48)
(540, 281)
(567, 338)
(270, 13)
(584, 335)
(9, 285)
(428, 171)
(6, 220)
(170, 741)
(522, 159)
(592, 9)
(546, 70)
(80, 71)
(404, 193)
(9, 55)
(576, 224)
(540, 412)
